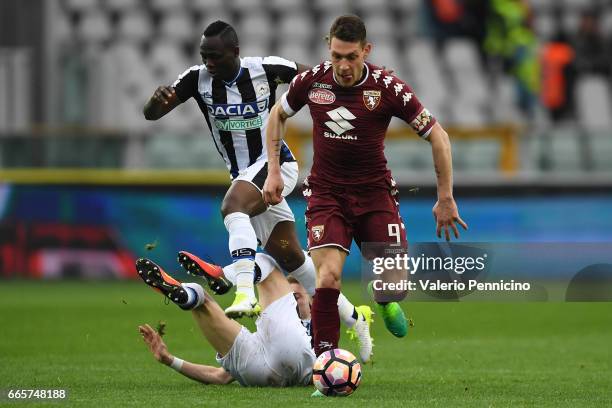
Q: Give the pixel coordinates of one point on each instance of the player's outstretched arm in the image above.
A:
(445, 211)
(275, 130)
(162, 101)
(198, 372)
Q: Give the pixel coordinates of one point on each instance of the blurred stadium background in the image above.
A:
(524, 88)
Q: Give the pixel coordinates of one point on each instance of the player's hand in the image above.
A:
(446, 214)
(164, 94)
(156, 345)
(273, 188)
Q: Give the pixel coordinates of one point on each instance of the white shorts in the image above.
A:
(256, 174)
(278, 354)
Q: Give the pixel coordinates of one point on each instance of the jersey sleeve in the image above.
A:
(279, 69)
(186, 85)
(296, 96)
(406, 106)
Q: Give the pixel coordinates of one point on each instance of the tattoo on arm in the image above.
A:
(277, 137)
(437, 170)
(277, 146)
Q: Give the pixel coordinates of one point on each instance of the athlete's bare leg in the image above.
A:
(329, 262)
(283, 245)
(244, 197)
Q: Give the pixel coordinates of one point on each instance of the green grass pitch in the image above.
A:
(82, 336)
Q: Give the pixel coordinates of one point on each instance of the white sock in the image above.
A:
(265, 263)
(242, 246)
(347, 311)
(195, 294)
(244, 270)
(306, 275)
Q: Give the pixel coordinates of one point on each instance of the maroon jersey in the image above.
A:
(349, 124)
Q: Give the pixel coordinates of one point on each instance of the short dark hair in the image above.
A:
(348, 28)
(223, 30)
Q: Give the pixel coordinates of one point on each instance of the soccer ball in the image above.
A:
(336, 373)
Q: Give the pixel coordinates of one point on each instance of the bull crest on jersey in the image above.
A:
(371, 99)
(317, 232)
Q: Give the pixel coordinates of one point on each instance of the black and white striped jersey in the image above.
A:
(237, 112)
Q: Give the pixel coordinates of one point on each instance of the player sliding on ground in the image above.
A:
(279, 353)
(356, 319)
(350, 192)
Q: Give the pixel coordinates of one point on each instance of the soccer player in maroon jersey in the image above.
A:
(350, 192)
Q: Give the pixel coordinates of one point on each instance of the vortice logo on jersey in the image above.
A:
(340, 120)
(239, 124)
(221, 110)
(387, 80)
(371, 99)
(421, 121)
(321, 96)
(320, 85)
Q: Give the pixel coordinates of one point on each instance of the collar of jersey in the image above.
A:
(230, 83)
(361, 82)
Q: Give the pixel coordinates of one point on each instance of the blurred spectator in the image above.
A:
(453, 18)
(592, 49)
(558, 77)
(474, 20)
(510, 38)
(444, 19)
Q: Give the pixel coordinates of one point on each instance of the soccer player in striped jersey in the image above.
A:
(235, 95)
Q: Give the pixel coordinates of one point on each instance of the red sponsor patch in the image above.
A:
(321, 96)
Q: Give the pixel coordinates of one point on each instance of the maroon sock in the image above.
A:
(325, 320)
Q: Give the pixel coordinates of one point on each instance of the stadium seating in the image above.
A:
(94, 28)
(121, 6)
(81, 5)
(593, 100)
(178, 26)
(131, 46)
(135, 26)
(292, 27)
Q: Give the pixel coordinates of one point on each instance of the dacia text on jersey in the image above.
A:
(250, 112)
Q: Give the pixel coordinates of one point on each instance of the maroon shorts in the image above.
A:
(335, 216)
